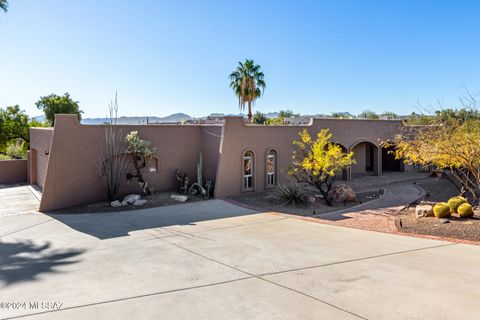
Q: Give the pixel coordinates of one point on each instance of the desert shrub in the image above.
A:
(465, 210)
(441, 210)
(112, 162)
(455, 202)
(316, 161)
(290, 194)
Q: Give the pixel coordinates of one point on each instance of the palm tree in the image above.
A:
(4, 5)
(248, 84)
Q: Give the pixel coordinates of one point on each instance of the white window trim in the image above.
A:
(252, 171)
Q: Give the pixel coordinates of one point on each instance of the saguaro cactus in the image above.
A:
(200, 170)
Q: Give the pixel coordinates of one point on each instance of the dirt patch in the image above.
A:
(457, 228)
(438, 189)
(265, 201)
(156, 200)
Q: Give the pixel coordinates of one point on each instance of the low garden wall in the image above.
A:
(13, 171)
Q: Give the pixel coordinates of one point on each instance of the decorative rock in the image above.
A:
(343, 193)
(444, 220)
(424, 210)
(115, 204)
(310, 199)
(124, 203)
(179, 198)
(140, 202)
(130, 199)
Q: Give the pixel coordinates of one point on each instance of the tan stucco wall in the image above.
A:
(360, 159)
(13, 171)
(238, 137)
(72, 176)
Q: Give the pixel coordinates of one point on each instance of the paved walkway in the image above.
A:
(214, 260)
(377, 215)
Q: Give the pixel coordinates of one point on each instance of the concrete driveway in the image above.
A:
(17, 199)
(214, 260)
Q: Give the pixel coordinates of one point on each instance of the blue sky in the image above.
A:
(175, 56)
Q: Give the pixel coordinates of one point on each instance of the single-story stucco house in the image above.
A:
(239, 157)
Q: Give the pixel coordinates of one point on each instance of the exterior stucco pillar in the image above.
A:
(377, 162)
(347, 172)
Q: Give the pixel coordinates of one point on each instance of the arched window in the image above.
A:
(248, 171)
(271, 168)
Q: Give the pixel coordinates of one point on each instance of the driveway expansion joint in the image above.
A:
(250, 275)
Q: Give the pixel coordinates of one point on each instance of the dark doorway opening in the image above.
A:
(369, 154)
(389, 163)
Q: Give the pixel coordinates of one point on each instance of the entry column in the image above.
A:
(377, 162)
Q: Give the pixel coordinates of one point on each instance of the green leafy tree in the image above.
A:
(367, 114)
(259, 118)
(338, 115)
(282, 114)
(248, 83)
(389, 114)
(53, 104)
(316, 162)
(14, 131)
(13, 124)
(4, 5)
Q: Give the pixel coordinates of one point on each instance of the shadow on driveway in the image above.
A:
(25, 261)
(112, 225)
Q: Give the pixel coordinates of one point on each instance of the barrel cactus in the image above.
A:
(465, 210)
(455, 202)
(441, 210)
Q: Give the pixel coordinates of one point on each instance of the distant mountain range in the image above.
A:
(173, 118)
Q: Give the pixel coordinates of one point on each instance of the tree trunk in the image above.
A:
(139, 175)
(326, 193)
(250, 115)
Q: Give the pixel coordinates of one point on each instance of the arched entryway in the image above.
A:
(367, 158)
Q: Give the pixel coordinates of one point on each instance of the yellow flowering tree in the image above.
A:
(451, 145)
(316, 162)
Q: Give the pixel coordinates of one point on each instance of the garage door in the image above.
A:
(41, 169)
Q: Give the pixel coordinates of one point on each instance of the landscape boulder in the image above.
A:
(342, 193)
(130, 199)
(115, 204)
(309, 199)
(424, 210)
(178, 197)
(140, 202)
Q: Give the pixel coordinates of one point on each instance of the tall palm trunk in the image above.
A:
(250, 115)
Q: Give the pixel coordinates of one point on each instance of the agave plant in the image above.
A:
(291, 194)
